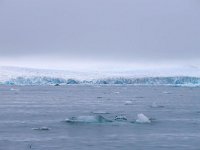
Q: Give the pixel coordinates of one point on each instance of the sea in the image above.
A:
(99, 117)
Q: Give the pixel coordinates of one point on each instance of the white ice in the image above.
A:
(141, 118)
(128, 102)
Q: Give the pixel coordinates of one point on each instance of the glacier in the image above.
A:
(170, 81)
(27, 76)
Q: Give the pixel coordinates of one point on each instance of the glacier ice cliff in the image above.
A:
(29, 76)
(43, 80)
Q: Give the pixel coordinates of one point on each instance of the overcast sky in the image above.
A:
(58, 33)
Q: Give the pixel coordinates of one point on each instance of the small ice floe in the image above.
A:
(121, 118)
(14, 89)
(128, 102)
(100, 112)
(155, 105)
(141, 118)
(42, 128)
(87, 119)
(166, 92)
(116, 92)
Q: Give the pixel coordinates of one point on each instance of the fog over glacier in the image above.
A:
(96, 34)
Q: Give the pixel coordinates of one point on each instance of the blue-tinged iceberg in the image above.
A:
(87, 119)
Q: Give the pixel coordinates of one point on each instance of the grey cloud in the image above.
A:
(122, 30)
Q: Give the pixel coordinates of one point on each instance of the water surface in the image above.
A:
(23, 108)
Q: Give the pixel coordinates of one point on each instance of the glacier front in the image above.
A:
(26, 76)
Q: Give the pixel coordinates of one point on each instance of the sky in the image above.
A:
(90, 33)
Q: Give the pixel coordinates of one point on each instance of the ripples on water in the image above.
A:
(99, 117)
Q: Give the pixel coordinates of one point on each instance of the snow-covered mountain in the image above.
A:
(189, 76)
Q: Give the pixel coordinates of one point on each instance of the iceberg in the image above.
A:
(87, 119)
(141, 118)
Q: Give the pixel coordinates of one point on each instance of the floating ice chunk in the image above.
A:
(128, 102)
(116, 92)
(141, 118)
(14, 89)
(121, 118)
(87, 119)
(100, 112)
(155, 105)
(166, 92)
(42, 128)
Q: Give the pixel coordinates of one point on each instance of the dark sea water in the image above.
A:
(24, 110)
